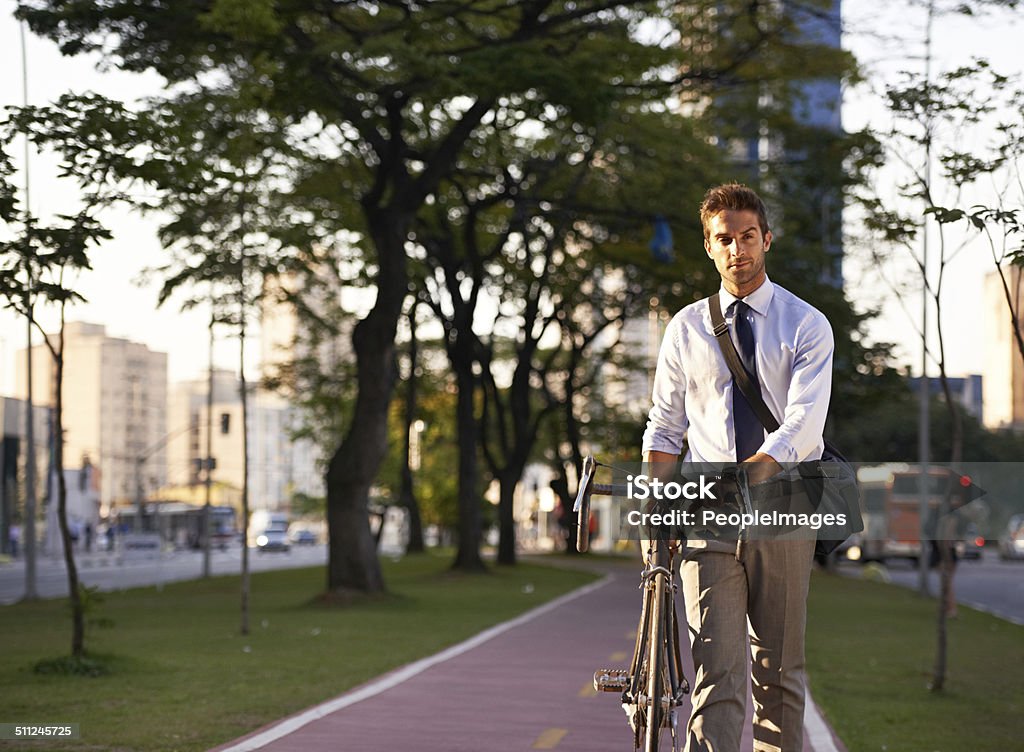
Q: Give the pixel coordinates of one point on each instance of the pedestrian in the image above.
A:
(14, 537)
(758, 589)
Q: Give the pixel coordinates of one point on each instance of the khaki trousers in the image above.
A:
(761, 592)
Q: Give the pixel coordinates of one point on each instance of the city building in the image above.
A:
(1003, 366)
(187, 399)
(12, 467)
(114, 409)
(279, 464)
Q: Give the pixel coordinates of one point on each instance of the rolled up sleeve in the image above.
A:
(666, 423)
(810, 388)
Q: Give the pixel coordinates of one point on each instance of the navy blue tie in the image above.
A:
(748, 428)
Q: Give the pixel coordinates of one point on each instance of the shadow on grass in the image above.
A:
(69, 665)
(349, 598)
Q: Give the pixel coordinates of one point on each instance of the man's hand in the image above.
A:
(661, 465)
(761, 467)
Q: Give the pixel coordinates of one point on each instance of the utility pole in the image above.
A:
(924, 438)
(207, 460)
(31, 593)
(134, 425)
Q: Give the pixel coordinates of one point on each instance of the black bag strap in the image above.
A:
(739, 372)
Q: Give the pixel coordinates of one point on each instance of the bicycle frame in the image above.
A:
(653, 686)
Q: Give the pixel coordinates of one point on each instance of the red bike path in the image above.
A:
(526, 684)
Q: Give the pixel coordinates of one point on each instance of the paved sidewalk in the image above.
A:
(526, 685)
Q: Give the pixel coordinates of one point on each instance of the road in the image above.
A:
(109, 571)
(990, 585)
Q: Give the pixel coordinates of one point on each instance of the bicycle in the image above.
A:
(653, 687)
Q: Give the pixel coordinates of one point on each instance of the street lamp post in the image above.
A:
(208, 460)
(924, 437)
(29, 536)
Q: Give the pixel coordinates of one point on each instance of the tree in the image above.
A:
(220, 184)
(587, 184)
(89, 134)
(394, 92)
(930, 119)
(999, 220)
(535, 239)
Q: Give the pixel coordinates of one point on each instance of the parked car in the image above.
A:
(972, 545)
(303, 537)
(1011, 542)
(273, 539)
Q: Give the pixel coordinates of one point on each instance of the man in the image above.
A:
(759, 588)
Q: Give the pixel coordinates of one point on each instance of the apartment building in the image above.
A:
(115, 409)
(279, 464)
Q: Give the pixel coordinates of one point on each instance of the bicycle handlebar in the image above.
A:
(582, 506)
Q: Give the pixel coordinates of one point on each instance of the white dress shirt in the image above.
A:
(693, 386)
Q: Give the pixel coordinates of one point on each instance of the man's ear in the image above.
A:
(707, 248)
(767, 241)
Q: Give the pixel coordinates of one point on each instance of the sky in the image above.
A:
(882, 36)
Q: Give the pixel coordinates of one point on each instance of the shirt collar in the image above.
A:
(758, 300)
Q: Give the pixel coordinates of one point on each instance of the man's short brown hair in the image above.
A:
(735, 196)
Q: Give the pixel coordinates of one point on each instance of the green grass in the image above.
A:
(181, 677)
(870, 653)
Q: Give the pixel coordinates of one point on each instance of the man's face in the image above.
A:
(738, 249)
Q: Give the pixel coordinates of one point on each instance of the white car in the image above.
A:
(1011, 542)
(273, 539)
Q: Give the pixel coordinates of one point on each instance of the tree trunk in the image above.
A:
(74, 592)
(506, 518)
(572, 424)
(245, 475)
(523, 439)
(467, 556)
(408, 492)
(353, 562)
(944, 534)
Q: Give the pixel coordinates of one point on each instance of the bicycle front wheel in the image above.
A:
(656, 668)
